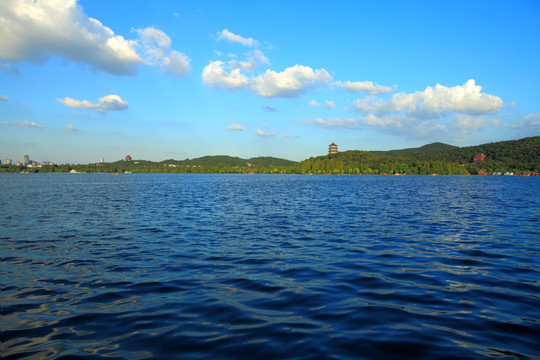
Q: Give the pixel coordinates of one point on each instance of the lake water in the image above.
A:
(269, 266)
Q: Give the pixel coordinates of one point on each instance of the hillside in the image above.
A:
(212, 161)
(505, 156)
(436, 146)
(517, 156)
(516, 153)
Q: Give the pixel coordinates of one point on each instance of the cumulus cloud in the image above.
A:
(3, 98)
(291, 82)
(253, 60)
(107, 103)
(221, 75)
(38, 30)
(225, 34)
(455, 127)
(364, 86)
(435, 102)
(156, 46)
(313, 103)
(467, 123)
(236, 127)
(113, 102)
(176, 63)
(403, 125)
(329, 104)
(236, 73)
(439, 112)
(23, 124)
(215, 75)
(265, 133)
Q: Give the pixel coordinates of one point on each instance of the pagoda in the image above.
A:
(332, 149)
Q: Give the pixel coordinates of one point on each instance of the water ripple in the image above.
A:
(224, 266)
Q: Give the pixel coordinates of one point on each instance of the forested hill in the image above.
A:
(224, 160)
(505, 156)
(523, 152)
(517, 156)
(437, 146)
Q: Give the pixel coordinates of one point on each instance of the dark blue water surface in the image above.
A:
(269, 266)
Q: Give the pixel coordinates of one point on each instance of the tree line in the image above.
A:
(517, 156)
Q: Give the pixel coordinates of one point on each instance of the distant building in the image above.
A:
(479, 158)
(8, 161)
(101, 160)
(332, 149)
(128, 158)
(26, 160)
(18, 163)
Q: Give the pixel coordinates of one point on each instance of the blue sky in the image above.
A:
(82, 80)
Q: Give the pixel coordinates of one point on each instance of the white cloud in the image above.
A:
(110, 102)
(265, 133)
(23, 124)
(380, 121)
(176, 63)
(113, 102)
(84, 104)
(364, 86)
(287, 136)
(313, 103)
(71, 128)
(156, 45)
(292, 82)
(333, 123)
(455, 127)
(467, 123)
(215, 75)
(3, 98)
(435, 102)
(527, 125)
(229, 36)
(236, 127)
(329, 104)
(38, 30)
(413, 128)
(154, 42)
(253, 60)
(236, 74)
